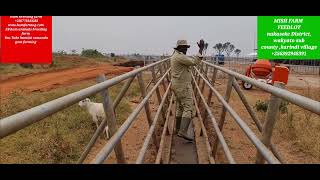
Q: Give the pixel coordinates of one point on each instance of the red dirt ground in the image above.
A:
(46, 81)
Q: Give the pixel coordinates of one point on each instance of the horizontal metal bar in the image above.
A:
(306, 103)
(221, 139)
(107, 149)
(25, 118)
(267, 154)
(152, 128)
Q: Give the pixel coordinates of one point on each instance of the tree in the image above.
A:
(228, 48)
(219, 48)
(74, 52)
(237, 52)
(91, 53)
(61, 53)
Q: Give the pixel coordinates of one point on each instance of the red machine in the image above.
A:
(262, 71)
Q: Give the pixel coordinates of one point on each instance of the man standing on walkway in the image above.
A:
(181, 65)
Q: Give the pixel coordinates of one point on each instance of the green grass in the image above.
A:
(301, 126)
(295, 125)
(61, 137)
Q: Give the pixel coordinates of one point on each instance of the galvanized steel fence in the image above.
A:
(266, 150)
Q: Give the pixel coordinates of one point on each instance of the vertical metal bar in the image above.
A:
(111, 120)
(154, 78)
(201, 70)
(203, 83)
(161, 74)
(206, 71)
(213, 80)
(146, 106)
(168, 76)
(168, 66)
(273, 108)
(194, 82)
(223, 112)
(164, 86)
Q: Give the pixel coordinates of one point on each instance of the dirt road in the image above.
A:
(45, 81)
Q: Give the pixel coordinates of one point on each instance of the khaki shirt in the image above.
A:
(181, 67)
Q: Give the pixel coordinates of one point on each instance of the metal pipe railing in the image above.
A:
(225, 147)
(107, 149)
(254, 117)
(266, 153)
(23, 119)
(152, 128)
(104, 122)
(306, 103)
(164, 131)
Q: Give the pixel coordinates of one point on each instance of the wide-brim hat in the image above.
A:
(182, 43)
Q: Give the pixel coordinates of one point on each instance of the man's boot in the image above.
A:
(183, 132)
(178, 122)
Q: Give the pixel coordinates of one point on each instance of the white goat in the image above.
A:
(96, 111)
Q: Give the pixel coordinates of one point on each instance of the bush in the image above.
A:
(263, 106)
(91, 53)
(60, 53)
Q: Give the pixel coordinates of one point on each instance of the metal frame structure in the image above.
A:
(277, 94)
(16, 122)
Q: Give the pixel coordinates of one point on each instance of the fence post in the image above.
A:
(154, 78)
(164, 85)
(146, 106)
(203, 83)
(104, 122)
(273, 108)
(111, 120)
(223, 113)
(254, 117)
(213, 80)
(161, 74)
(201, 70)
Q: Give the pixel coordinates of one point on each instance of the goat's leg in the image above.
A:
(95, 119)
(107, 132)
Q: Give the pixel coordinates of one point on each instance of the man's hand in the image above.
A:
(201, 46)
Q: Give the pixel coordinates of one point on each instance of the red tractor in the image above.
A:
(263, 71)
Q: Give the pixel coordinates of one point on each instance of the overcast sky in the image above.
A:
(151, 34)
